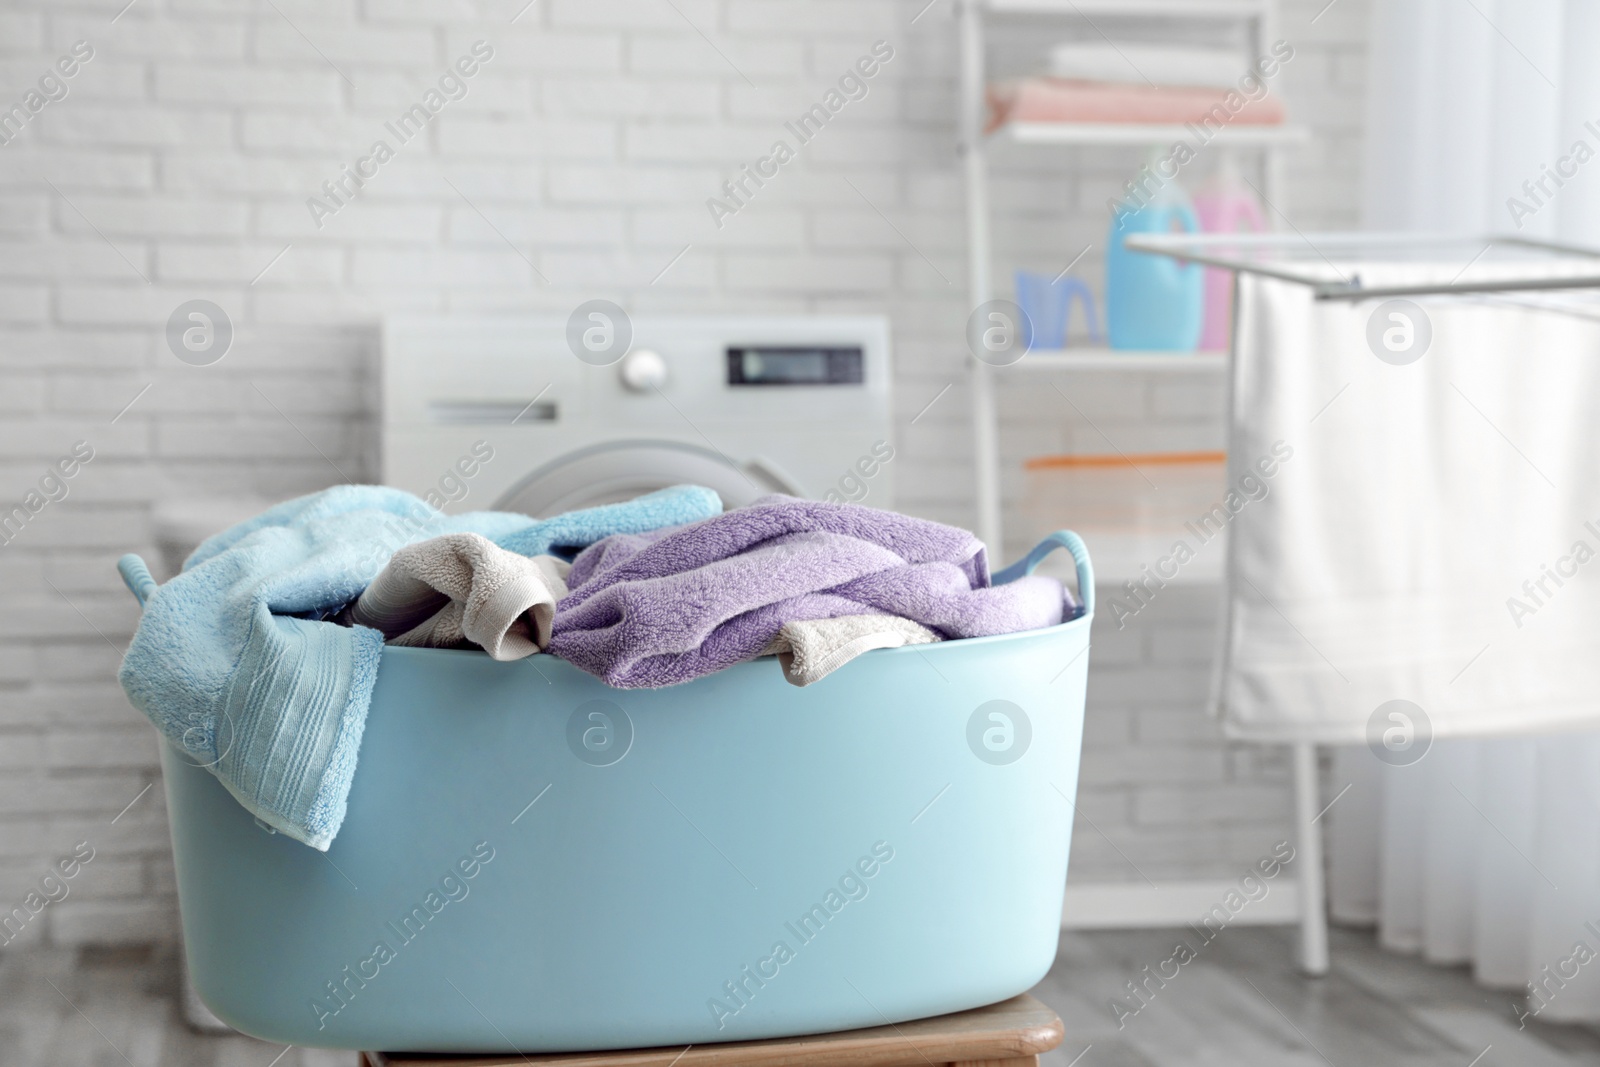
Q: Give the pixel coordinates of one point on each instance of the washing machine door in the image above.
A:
(621, 470)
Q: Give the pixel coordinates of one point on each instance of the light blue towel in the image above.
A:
(275, 705)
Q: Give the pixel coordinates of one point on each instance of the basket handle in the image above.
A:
(1080, 555)
(137, 577)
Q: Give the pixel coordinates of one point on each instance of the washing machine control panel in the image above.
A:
(744, 404)
(796, 365)
(643, 369)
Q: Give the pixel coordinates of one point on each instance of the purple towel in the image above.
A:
(661, 608)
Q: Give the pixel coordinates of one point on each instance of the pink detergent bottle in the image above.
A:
(1224, 205)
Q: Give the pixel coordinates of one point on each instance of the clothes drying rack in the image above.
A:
(1275, 254)
(1306, 259)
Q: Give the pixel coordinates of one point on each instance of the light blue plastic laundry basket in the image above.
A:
(626, 898)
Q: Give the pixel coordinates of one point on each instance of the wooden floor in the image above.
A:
(1239, 1004)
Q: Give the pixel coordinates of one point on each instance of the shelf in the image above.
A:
(1146, 134)
(1197, 9)
(1256, 19)
(1112, 359)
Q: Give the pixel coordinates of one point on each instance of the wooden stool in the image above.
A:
(1009, 1034)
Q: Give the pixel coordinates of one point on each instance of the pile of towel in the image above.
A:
(815, 584)
(260, 658)
(1137, 83)
(666, 607)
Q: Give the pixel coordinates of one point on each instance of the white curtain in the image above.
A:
(1466, 102)
(1486, 852)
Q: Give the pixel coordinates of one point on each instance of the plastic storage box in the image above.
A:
(1151, 494)
(535, 861)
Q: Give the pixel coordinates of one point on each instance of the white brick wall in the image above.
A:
(181, 162)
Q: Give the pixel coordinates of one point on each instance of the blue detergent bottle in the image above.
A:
(1153, 302)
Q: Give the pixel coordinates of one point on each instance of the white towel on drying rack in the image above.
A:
(1435, 534)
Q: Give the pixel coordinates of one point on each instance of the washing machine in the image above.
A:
(521, 414)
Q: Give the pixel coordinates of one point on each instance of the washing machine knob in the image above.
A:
(643, 369)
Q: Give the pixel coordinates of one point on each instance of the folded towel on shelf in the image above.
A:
(1148, 64)
(273, 704)
(1062, 100)
(811, 649)
(461, 590)
(663, 608)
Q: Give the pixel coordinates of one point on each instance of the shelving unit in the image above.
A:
(1257, 16)
(1101, 905)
